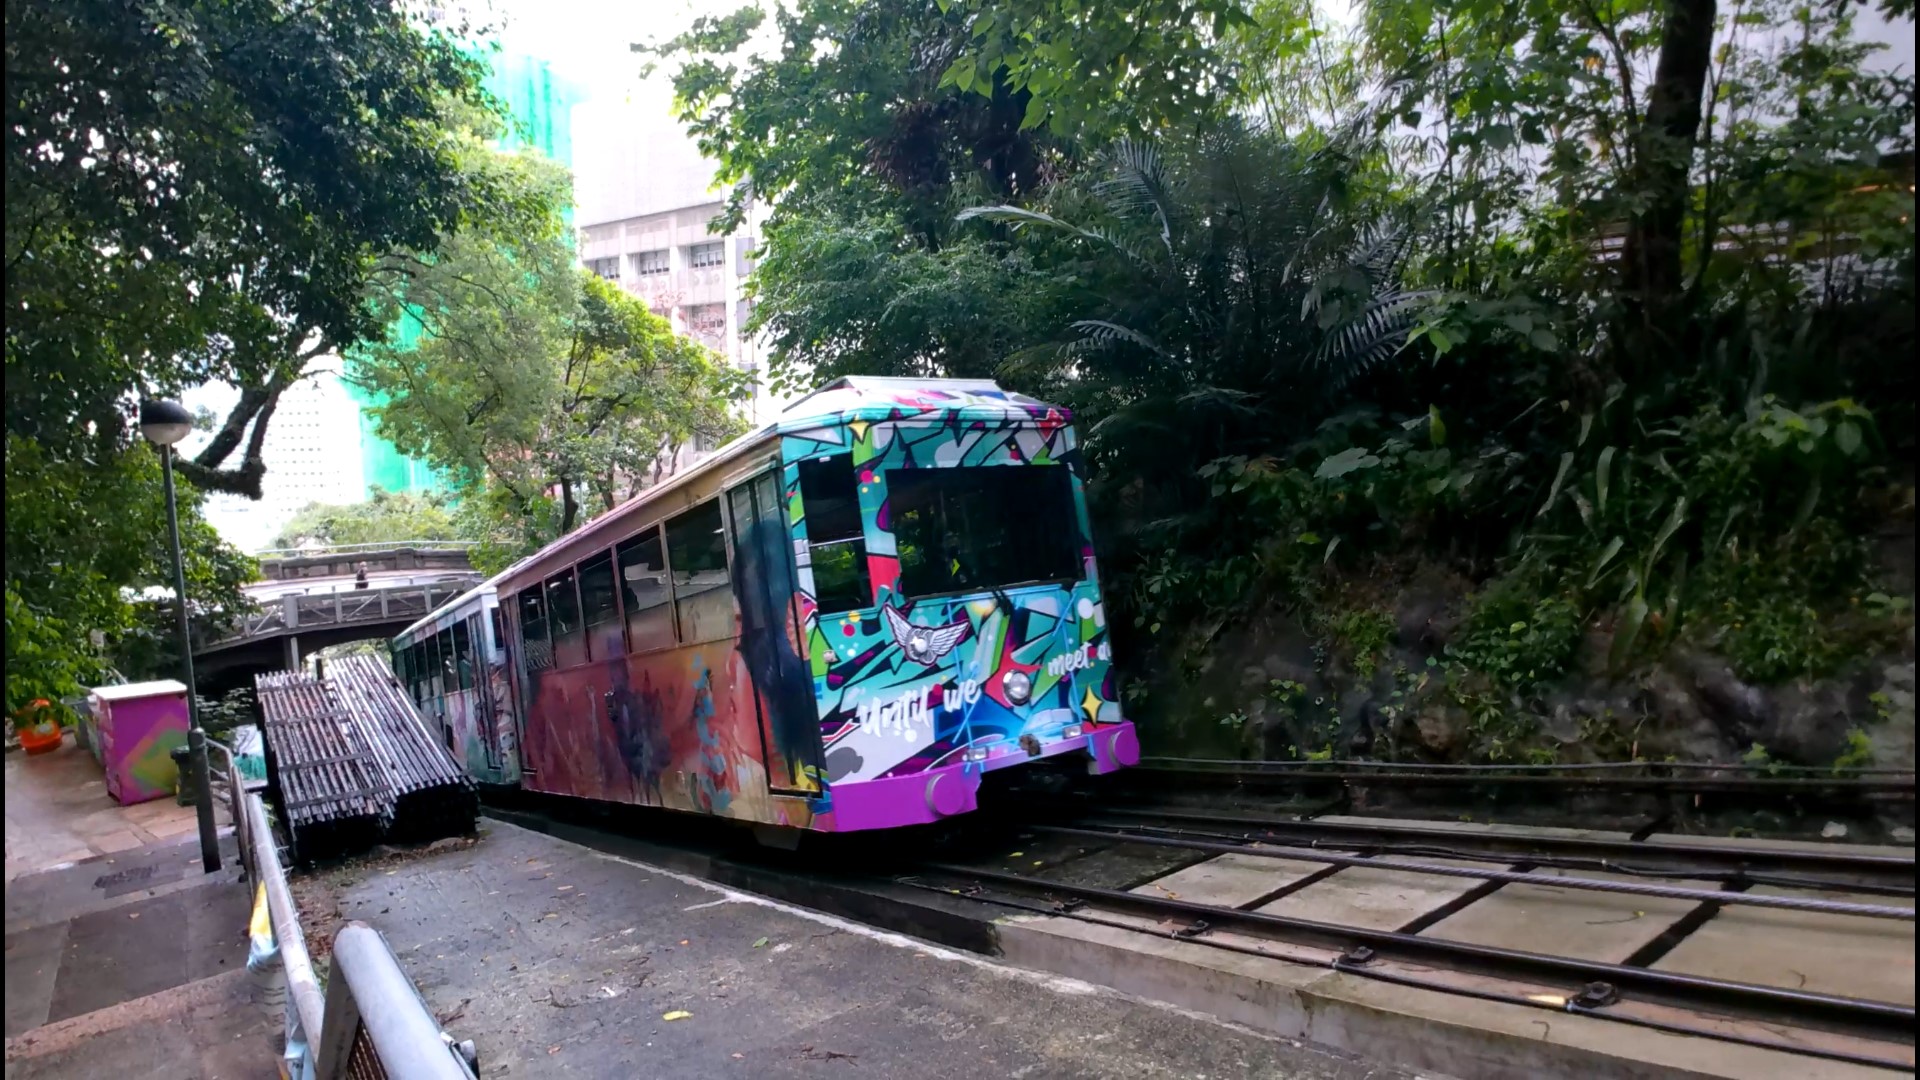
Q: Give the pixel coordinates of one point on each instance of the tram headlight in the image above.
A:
(1072, 731)
(1018, 687)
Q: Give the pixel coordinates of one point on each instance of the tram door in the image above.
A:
(480, 702)
(769, 636)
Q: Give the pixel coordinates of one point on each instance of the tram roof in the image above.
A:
(448, 608)
(848, 398)
(862, 397)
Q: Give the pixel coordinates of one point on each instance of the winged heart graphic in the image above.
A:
(924, 644)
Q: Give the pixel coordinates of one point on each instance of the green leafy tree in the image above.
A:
(543, 391)
(996, 99)
(387, 518)
(194, 191)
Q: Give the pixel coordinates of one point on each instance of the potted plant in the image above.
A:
(38, 725)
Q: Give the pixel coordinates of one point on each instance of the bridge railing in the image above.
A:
(352, 549)
(300, 612)
(368, 1021)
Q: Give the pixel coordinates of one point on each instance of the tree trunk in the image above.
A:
(1662, 168)
(569, 506)
(255, 407)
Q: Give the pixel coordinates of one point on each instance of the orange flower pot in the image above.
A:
(39, 731)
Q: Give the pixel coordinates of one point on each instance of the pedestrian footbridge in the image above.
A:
(308, 601)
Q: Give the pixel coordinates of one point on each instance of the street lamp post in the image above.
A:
(165, 423)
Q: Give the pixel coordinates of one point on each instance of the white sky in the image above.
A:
(588, 40)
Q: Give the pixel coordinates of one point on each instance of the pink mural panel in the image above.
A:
(139, 730)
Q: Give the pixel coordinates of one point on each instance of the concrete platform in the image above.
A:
(58, 811)
(559, 961)
(123, 957)
(210, 1029)
(1829, 954)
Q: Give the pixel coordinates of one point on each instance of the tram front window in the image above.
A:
(976, 528)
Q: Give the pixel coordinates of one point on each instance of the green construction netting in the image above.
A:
(541, 105)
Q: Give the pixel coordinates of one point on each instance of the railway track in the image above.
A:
(1777, 947)
(1649, 980)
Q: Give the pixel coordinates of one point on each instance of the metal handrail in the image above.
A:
(367, 1000)
(370, 997)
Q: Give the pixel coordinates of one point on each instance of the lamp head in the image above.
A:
(164, 422)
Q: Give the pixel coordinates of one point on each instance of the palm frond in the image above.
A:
(1100, 333)
(1361, 343)
(1140, 182)
(1018, 217)
(1045, 359)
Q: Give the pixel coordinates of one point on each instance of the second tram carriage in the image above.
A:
(838, 622)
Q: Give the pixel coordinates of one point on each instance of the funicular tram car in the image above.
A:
(838, 622)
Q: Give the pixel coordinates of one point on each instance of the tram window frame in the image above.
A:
(436, 668)
(535, 642)
(460, 644)
(693, 538)
(650, 624)
(599, 648)
(836, 534)
(569, 636)
(969, 512)
(417, 670)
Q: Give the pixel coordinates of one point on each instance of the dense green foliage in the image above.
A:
(194, 191)
(544, 392)
(1604, 312)
(386, 518)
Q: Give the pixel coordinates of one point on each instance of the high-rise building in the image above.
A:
(307, 460)
(645, 203)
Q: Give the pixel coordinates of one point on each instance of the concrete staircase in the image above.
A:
(134, 964)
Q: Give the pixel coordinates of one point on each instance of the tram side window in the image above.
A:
(535, 650)
(563, 611)
(417, 671)
(437, 667)
(698, 554)
(836, 544)
(497, 636)
(598, 608)
(462, 654)
(643, 579)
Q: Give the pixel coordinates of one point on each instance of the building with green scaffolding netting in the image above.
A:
(540, 104)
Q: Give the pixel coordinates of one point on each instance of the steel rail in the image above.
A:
(1155, 760)
(1505, 877)
(1566, 862)
(1342, 964)
(1722, 854)
(1689, 989)
(1691, 785)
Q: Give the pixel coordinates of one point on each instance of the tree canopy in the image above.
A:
(386, 518)
(545, 392)
(1601, 311)
(195, 191)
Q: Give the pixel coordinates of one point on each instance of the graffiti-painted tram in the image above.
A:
(839, 622)
(453, 665)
